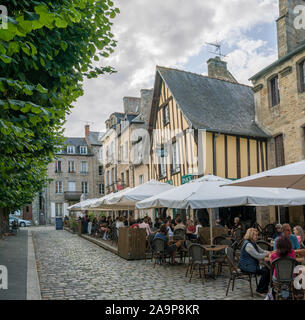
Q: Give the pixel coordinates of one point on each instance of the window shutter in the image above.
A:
(52, 209)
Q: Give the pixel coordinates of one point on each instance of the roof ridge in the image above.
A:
(203, 76)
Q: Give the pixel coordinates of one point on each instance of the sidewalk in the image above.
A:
(17, 255)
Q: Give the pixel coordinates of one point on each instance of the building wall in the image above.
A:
(217, 153)
(287, 118)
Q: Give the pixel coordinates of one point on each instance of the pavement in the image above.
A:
(72, 268)
(17, 255)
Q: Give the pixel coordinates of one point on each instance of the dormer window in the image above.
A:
(83, 150)
(70, 149)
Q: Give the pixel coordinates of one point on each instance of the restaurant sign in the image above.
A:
(187, 178)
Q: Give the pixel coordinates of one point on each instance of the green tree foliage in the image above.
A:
(45, 54)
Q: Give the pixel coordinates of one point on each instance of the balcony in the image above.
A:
(73, 195)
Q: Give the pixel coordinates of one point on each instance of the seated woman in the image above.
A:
(283, 249)
(299, 233)
(190, 230)
(250, 255)
(171, 249)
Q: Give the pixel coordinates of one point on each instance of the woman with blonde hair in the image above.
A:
(250, 255)
(298, 231)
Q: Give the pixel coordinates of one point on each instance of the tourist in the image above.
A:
(134, 224)
(190, 230)
(287, 233)
(198, 225)
(145, 226)
(170, 249)
(105, 228)
(170, 228)
(250, 256)
(278, 232)
(283, 249)
(237, 225)
(158, 223)
(218, 224)
(180, 224)
(299, 233)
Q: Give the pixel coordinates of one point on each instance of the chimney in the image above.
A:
(146, 102)
(87, 130)
(218, 69)
(288, 37)
(131, 104)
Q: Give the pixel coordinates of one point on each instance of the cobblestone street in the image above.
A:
(71, 267)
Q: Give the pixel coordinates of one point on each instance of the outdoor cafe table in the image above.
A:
(210, 249)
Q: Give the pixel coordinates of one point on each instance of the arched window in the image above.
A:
(302, 75)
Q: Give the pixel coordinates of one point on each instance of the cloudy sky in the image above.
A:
(173, 33)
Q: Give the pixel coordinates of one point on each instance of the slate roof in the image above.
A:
(212, 104)
(76, 142)
(95, 138)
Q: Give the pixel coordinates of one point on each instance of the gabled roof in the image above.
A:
(76, 142)
(212, 104)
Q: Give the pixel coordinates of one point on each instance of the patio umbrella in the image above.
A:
(291, 176)
(100, 203)
(214, 192)
(129, 197)
(83, 205)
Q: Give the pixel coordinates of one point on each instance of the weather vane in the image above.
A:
(217, 45)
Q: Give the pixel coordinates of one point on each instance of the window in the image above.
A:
(274, 91)
(121, 153)
(57, 166)
(84, 167)
(58, 187)
(163, 164)
(302, 75)
(100, 170)
(83, 149)
(71, 186)
(58, 209)
(109, 178)
(59, 149)
(126, 151)
(101, 188)
(141, 179)
(70, 149)
(122, 178)
(85, 187)
(175, 163)
(279, 151)
(166, 115)
(71, 166)
(127, 178)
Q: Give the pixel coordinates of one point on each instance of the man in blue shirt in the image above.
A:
(286, 232)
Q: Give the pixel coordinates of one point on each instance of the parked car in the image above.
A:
(21, 222)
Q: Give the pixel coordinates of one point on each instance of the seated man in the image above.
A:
(278, 232)
(180, 224)
(170, 249)
(287, 233)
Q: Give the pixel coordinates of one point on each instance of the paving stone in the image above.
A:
(76, 269)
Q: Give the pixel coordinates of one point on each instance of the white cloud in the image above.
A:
(169, 33)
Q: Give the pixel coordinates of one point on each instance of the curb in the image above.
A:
(33, 286)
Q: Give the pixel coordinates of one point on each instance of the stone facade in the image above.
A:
(285, 119)
(289, 38)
